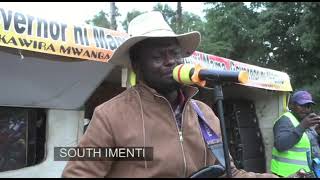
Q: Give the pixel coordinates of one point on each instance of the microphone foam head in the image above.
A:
(243, 77)
(181, 73)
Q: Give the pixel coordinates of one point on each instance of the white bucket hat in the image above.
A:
(152, 24)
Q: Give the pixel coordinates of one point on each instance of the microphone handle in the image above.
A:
(219, 75)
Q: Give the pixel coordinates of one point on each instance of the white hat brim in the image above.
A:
(188, 42)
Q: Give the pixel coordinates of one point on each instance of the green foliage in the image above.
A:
(129, 17)
(114, 12)
(101, 20)
(167, 12)
(230, 31)
(277, 35)
(284, 36)
(292, 29)
(190, 21)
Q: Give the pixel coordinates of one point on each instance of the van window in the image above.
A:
(22, 137)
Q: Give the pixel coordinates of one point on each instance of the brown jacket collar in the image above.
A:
(149, 93)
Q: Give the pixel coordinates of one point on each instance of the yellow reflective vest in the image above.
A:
(288, 162)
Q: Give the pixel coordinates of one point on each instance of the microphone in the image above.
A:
(189, 74)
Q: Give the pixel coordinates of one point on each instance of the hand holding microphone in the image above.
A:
(189, 74)
(310, 120)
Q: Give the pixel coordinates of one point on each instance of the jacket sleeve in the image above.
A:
(98, 134)
(285, 134)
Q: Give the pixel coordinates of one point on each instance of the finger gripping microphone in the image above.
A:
(189, 74)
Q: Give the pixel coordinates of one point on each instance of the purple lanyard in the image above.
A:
(212, 139)
(209, 135)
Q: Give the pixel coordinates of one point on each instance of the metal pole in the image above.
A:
(218, 97)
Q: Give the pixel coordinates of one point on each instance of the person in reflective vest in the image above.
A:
(295, 133)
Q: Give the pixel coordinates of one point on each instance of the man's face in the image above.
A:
(156, 59)
(302, 110)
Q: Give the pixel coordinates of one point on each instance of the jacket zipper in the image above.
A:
(181, 140)
(180, 135)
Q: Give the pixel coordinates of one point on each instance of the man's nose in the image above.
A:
(169, 59)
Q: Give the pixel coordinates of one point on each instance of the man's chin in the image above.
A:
(169, 85)
(163, 84)
(173, 83)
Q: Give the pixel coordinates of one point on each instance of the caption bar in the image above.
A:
(103, 153)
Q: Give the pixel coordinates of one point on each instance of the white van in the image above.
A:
(51, 81)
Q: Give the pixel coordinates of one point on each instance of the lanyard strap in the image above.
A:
(211, 138)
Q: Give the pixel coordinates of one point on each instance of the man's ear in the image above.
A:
(135, 66)
(292, 106)
(136, 69)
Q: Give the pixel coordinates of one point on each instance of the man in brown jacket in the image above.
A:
(155, 113)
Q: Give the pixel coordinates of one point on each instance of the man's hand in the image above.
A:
(301, 174)
(310, 120)
(317, 128)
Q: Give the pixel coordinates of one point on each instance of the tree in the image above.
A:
(292, 32)
(130, 15)
(168, 13)
(276, 35)
(101, 20)
(179, 17)
(230, 31)
(309, 27)
(189, 21)
(114, 13)
(308, 31)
